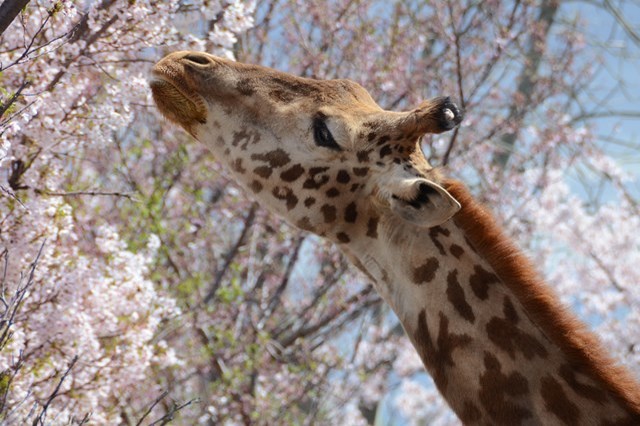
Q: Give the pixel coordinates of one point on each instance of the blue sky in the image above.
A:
(619, 79)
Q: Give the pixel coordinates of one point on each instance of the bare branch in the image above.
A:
(231, 254)
(16, 301)
(307, 330)
(158, 399)
(456, 35)
(54, 394)
(5, 106)
(128, 195)
(527, 80)
(275, 299)
(605, 114)
(617, 14)
(10, 193)
(9, 9)
(172, 412)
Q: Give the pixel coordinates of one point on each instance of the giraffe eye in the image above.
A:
(321, 134)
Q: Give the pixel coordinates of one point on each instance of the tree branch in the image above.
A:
(5, 106)
(172, 412)
(231, 254)
(617, 14)
(54, 394)
(158, 399)
(331, 316)
(9, 9)
(526, 81)
(128, 195)
(454, 136)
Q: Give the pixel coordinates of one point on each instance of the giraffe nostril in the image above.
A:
(197, 58)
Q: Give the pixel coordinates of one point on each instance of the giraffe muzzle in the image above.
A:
(172, 94)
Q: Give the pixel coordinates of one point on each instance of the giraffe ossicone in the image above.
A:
(323, 155)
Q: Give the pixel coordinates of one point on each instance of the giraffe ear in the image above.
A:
(423, 203)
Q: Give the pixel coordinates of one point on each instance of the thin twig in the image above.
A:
(19, 296)
(231, 254)
(169, 416)
(12, 195)
(275, 299)
(85, 419)
(307, 330)
(54, 394)
(454, 136)
(5, 106)
(452, 141)
(5, 254)
(128, 195)
(158, 399)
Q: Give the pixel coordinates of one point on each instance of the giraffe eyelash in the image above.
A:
(322, 135)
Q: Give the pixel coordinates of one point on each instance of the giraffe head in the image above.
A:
(321, 153)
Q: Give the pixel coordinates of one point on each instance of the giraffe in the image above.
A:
(501, 348)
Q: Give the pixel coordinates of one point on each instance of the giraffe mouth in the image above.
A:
(176, 101)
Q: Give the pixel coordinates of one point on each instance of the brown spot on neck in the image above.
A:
(343, 176)
(426, 272)
(480, 281)
(372, 227)
(433, 234)
(343, 237)
(328, 212)
(285, 194)
(263, 171)
(498, 391)
(456, 251)
(507, 336)
(455, 294)
(360, 171)
(438, 356)
(351, 213)
(557, 402)
(470, 413)
(255, 186)
(275, 158)
(509, 310)
(243, 139)
(292, 173)
(363, 156)
(316, 178)
(591, 392)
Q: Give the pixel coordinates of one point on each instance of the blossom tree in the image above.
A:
(139, 284)
(82, 320)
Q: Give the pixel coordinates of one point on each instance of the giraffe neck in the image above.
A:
(497, 343)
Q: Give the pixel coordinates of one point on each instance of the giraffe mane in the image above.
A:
(541, 303)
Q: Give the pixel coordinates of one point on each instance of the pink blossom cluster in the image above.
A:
(81, 69)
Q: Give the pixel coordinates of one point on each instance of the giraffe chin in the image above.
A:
(176, 106)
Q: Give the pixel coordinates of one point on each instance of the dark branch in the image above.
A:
(158, 399)
(54, 394)
(9, 9)
(527, 80)
(172, 412)
(231, 254)
(5, 106)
